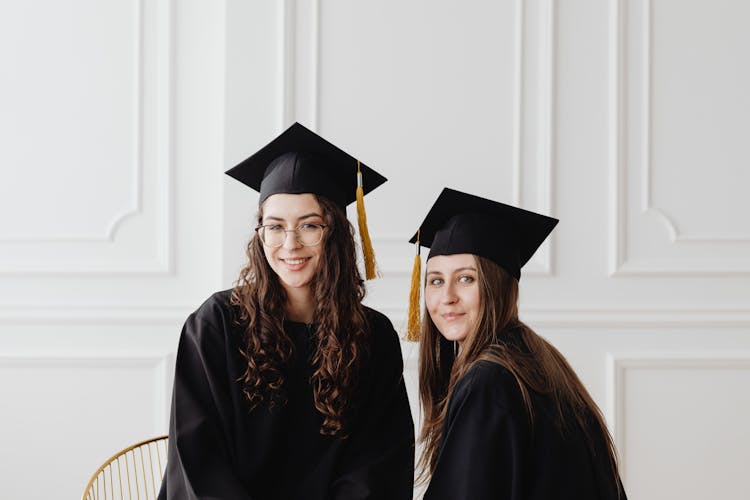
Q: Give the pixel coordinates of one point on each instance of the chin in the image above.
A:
(295, 281)
(454, 334)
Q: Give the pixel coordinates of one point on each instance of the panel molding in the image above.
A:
(134, 204)
(601, 318)
(618, 364)
(159, 364)
(161, 163)
(670, 224)
(105, 315)
(542, 317)
(619, 262)
(287, 15)
(543, 92)
(300, 27)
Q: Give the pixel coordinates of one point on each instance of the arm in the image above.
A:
(481, 450)
(378, 462)
(199, 465)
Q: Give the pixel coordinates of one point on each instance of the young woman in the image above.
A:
(505, 416)
(287, 387)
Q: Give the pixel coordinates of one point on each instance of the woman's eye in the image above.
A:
(276, 228)
(436, 281)
(308, 227)
(466, 279)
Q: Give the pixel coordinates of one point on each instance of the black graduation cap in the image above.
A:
(464, 223)
(300, 161)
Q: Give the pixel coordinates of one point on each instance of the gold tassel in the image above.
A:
(413, 328)
(364, 233)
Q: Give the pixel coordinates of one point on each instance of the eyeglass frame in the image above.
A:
(296, 234)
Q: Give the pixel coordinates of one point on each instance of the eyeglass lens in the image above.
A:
(306, 234)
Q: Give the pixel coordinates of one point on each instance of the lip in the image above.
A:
(451, 316)
(298, 264)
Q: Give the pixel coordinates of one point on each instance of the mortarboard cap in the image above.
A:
(464, 223)
(300, 161)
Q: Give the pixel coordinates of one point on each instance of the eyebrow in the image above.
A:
(468, 268)
(281, 219)
(454, 271)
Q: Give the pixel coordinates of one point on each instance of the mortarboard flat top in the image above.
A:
(300, 161)
(464, 223)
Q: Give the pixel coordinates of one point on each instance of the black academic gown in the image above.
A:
(220, 450)
(488, 450)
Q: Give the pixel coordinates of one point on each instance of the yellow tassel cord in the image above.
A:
(413, 328)
(364, 233)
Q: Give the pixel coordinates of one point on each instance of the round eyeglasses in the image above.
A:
(274, 235)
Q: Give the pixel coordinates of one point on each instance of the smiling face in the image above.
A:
(294, 263)
(452, 294)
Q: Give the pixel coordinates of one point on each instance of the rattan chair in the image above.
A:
(133, 473)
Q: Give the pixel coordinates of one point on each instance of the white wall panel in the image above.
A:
(680, 108)
(110, 233)
(173, 133)
(71, 413)
(74, 393)
(680, 413)
(87, 130)
(382, 92)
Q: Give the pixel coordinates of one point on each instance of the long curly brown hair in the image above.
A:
(341, 324)
(500, 337)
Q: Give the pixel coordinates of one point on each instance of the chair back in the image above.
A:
(133, 473)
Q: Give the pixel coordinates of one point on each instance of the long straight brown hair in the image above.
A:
(341, 325)
(500, 337)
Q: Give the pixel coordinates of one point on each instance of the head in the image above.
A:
(329, 271)
(294, 265)
(468, 299)
(298, 222)
(452, 295)
(300, 161)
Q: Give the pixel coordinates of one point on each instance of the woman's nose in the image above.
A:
(449, 295)
(290, 240)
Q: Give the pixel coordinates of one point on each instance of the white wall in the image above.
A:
(626, 119)
(110, 223)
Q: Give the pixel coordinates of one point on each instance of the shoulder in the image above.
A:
(212, 319)
(215, 309)
(384, 339)
(380, 326)
(377, 319)
(488, 374)
(490, 383)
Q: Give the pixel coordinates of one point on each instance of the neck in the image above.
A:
(299, 305)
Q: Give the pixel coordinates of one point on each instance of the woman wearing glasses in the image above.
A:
(505, 416)
(287, 387)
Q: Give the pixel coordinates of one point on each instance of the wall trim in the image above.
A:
(551, 317)
(76, 315)
(619, 263)
(160, 364)
(618, 364)
(603, 318)
(163, 122)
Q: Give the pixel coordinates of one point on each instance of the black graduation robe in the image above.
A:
(220, 450)
(488, 449)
